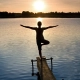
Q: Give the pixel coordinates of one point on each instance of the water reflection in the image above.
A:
(18, 47)
(39, 19)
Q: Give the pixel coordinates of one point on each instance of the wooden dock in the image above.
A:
(44, 70)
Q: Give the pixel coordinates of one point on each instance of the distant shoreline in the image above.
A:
(37, 17)
(27, 14)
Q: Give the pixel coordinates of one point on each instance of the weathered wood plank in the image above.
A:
(46, 72)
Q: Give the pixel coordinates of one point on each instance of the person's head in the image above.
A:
(39, 24)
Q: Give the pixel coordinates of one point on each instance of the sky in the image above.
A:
(49, 5)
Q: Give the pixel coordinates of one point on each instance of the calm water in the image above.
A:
(18, 47)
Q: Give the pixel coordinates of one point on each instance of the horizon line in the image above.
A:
(44, 12)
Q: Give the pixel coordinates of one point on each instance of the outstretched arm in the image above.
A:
(50, 27)
(33, 28)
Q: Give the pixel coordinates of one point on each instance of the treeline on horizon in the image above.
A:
(27, 14)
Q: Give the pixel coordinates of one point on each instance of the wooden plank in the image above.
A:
(44, 70)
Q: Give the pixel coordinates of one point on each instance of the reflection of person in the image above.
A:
(39, 35)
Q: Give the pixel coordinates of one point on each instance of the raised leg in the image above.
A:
(45, 42)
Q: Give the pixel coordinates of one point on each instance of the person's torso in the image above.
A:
(39, 34)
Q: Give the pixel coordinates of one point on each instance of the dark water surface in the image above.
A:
(18, 47)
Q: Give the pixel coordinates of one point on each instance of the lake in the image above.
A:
(18, 47)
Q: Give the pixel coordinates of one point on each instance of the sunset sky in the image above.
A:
(34, 6)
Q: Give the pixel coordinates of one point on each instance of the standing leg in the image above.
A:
(40, 54)
(39, 48)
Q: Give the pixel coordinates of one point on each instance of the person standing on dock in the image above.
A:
(39, 35)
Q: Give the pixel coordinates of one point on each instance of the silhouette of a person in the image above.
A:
(39, 35)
